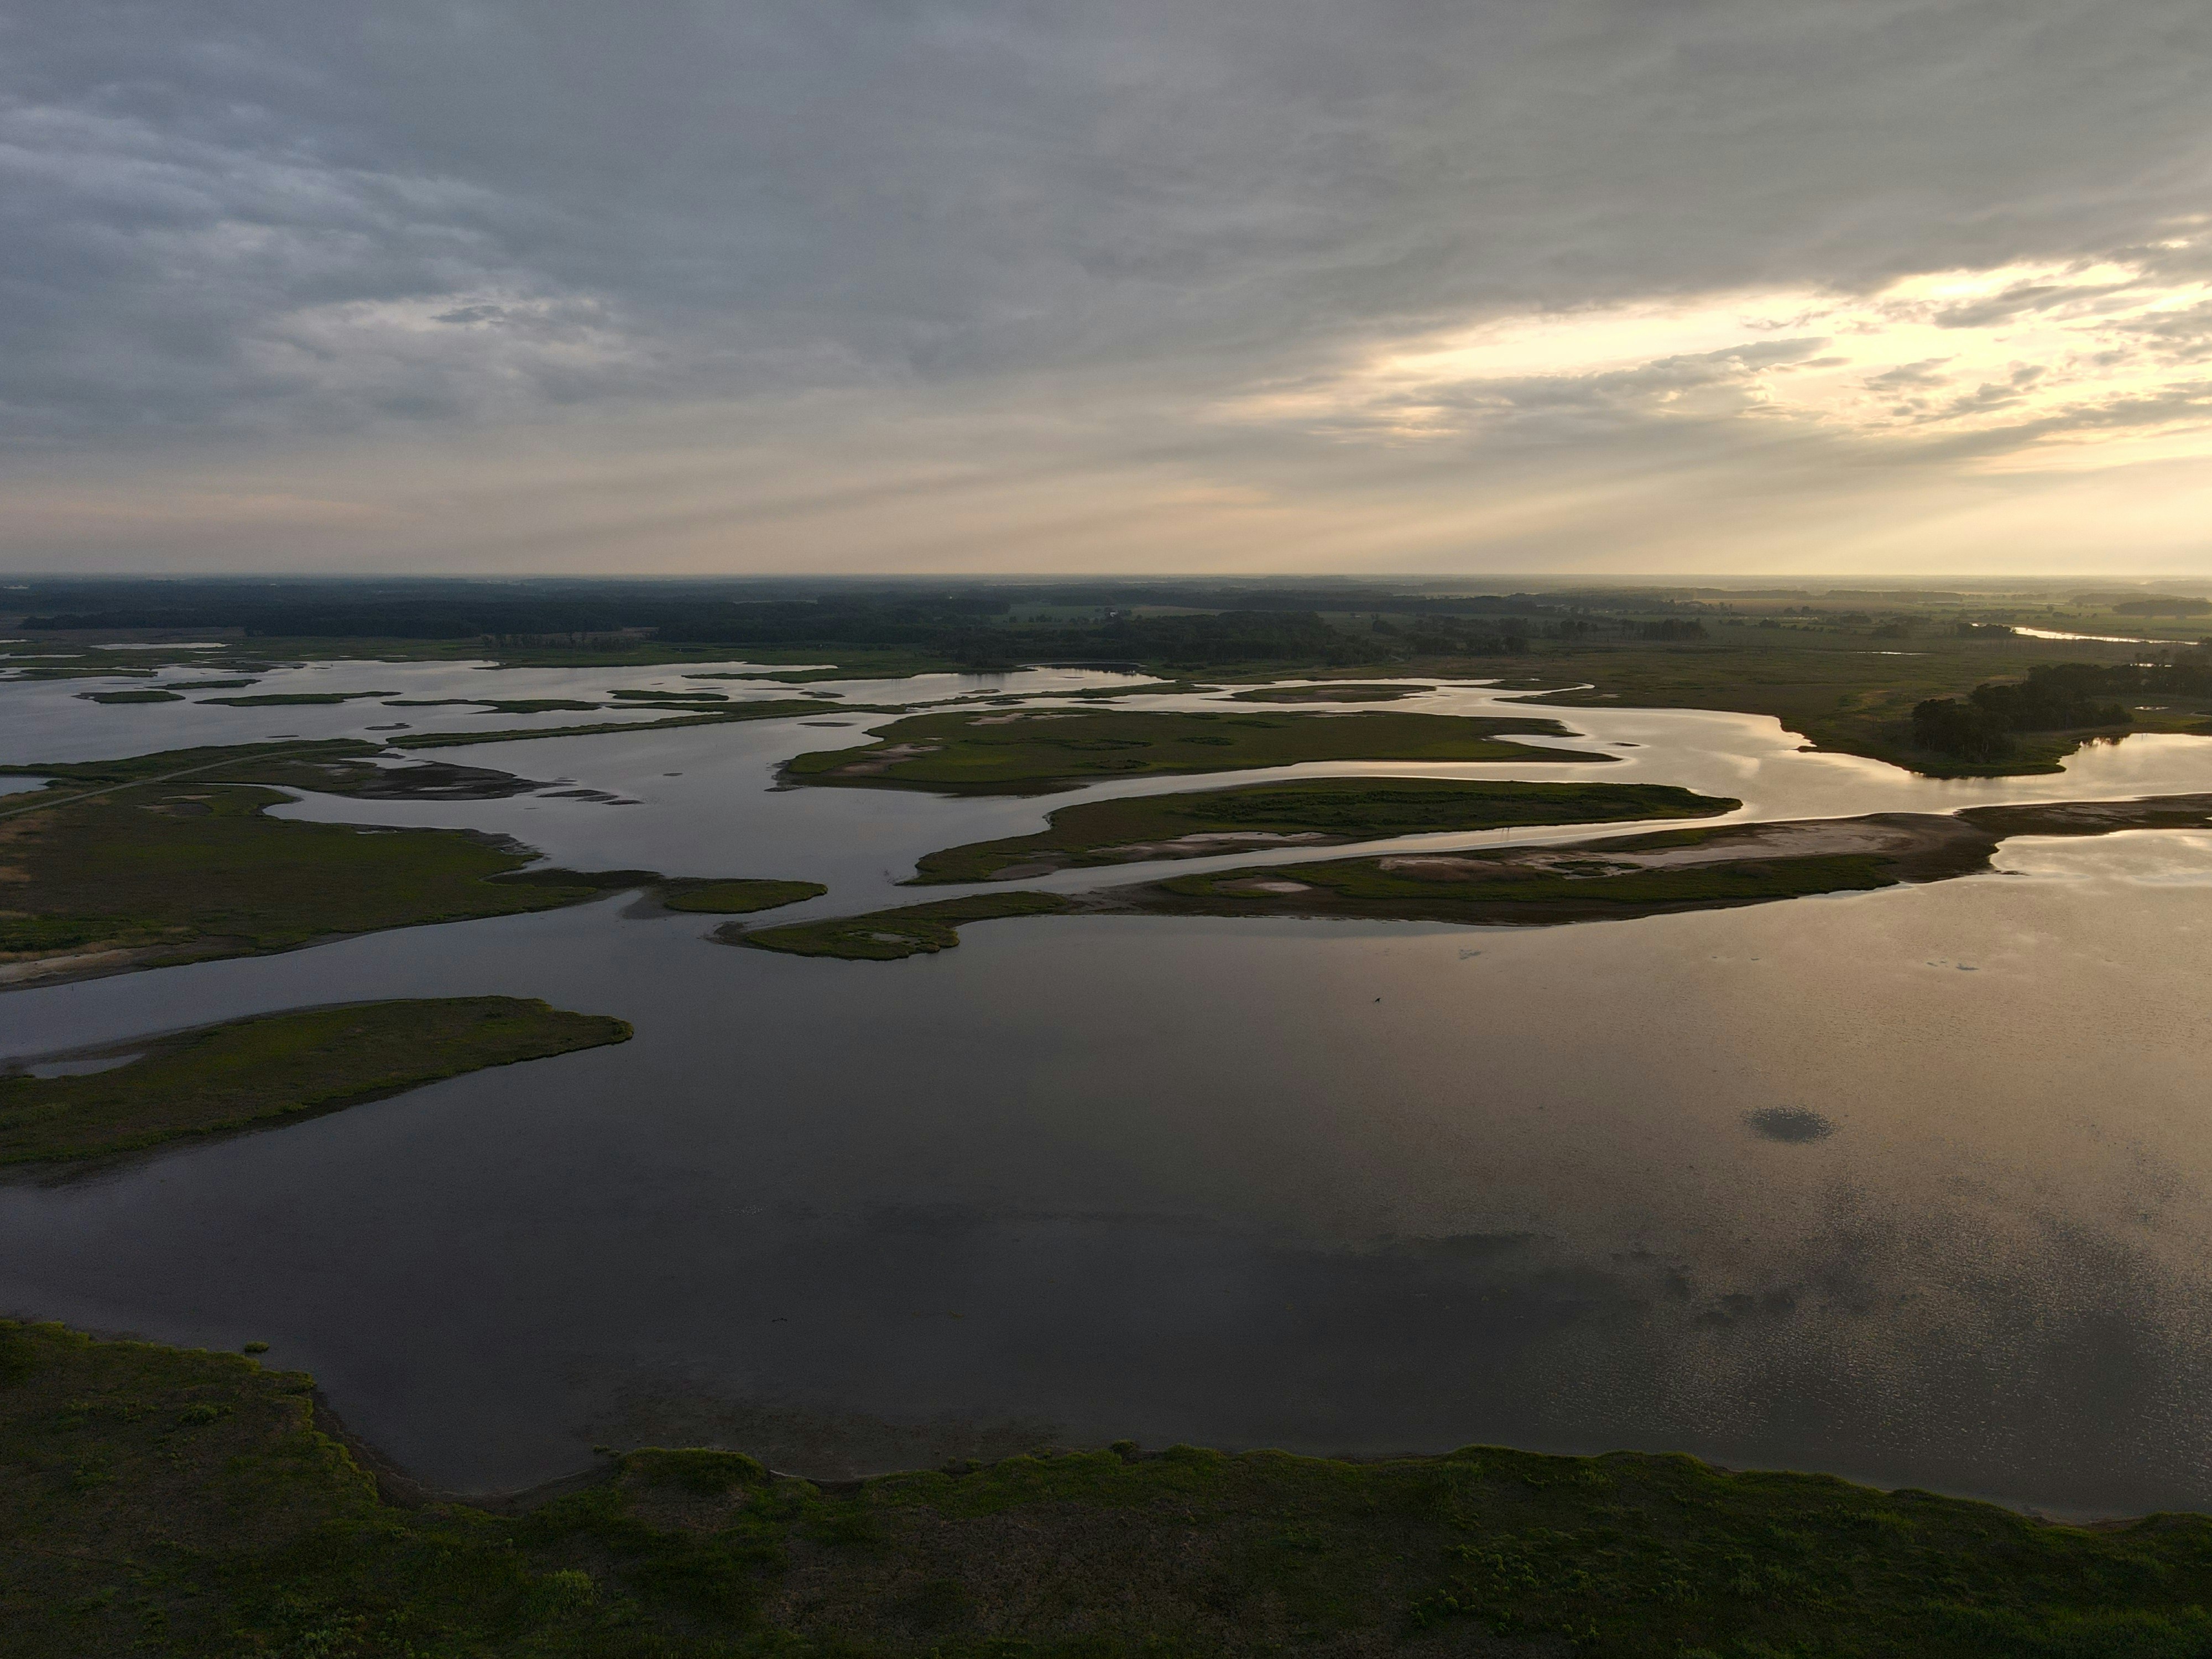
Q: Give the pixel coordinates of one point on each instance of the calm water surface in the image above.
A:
(1913, 1186)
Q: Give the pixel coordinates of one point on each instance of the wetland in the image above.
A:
(1296, 1142)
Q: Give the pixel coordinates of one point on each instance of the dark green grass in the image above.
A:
(231, 763)
(888, 935)
(1343, 809)
(251, 1073)
(194, 869)
(142, 694)
(1037, 752)
(160, 1500)
(1360, 887)
(737, 898)
(171, 857)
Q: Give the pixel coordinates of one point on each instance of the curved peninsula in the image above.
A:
(1037, 751)
(1706, 868)
(1310, 813)
(250, 1073)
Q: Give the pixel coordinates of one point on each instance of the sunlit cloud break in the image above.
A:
(2105, 360)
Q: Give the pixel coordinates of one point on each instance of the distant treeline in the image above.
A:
(970, 625)
(2056, 698)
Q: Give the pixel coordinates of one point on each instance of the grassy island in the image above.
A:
(248, 1073)
(157, 1500)
(1314, 811)
(888, 935)
(1333, 691)
(1032, 751)
(737, 898)
(170, 857)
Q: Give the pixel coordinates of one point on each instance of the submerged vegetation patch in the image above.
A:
(248, 1073)
(198, 1504)
(1795, 1125)
(1207, 823)
(1027, 751)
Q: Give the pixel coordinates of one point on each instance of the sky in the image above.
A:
(1380, 287)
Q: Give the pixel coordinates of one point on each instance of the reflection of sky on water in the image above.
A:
(1334, 1186)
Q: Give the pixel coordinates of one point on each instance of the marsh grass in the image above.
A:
(251, 1073)
(737, 898)
(186, 1502)
(1342, 809)
(888, 935)
(1037, 751)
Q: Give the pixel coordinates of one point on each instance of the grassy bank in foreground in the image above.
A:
(168, 858)
(248, 1073)
(1035, 752)
(155, 1499)
(1317, 811)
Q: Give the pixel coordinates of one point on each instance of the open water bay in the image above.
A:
(1913, 1186)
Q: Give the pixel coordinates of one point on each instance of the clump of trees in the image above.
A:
(2055, 697)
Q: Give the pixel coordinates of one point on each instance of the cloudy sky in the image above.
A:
(1729, 286)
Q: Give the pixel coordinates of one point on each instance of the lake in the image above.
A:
(1913, 1186)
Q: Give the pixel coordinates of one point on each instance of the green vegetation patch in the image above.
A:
(251, 1073)
(737, 898)
(190, 1503)
(779, 709)
(1341, 691)
(136, 694)
(888, 935)
(499, 705)
(290, 699)
(187, 865)
(1498, 888)
(1025, 751)
(1316, 811)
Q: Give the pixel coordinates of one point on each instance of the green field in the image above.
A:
(1336, 809)
(184, 1503)
(1037, 751)
(249, 1073)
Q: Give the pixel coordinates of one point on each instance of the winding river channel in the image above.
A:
(1913, 1186)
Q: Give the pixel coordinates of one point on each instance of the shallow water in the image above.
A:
(1331, 1186)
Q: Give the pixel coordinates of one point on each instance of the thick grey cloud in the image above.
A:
(261, 249)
